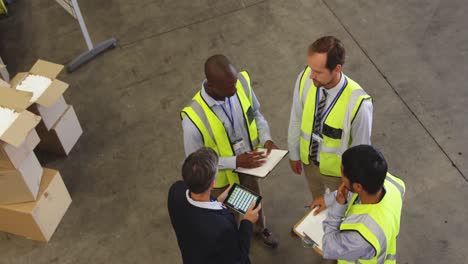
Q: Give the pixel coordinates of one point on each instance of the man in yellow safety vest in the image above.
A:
(363, 217)
(329, 114)
(225, 116)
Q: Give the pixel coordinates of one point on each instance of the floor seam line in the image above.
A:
(395, 91)
(124, 45)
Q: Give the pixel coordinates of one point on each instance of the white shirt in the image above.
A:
(213, 205)
(361, 127)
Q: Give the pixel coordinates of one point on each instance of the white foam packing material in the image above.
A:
(7, 117)
(36, 84)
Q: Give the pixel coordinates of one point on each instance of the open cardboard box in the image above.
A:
(22, 184)
(38, 220)
(50, 115)
(12, 157)
(24, 123)
(63, 135)
(3, 83)
(49, 70)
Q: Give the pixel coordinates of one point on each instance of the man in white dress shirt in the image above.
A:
(330, 113)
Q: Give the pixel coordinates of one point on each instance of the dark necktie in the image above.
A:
(315, 144)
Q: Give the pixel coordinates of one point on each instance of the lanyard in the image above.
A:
(230, 117)
(332, 103)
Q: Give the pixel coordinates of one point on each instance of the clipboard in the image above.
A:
(309, 219)
(276, 155)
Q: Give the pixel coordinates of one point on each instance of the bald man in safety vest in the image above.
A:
(225, 116)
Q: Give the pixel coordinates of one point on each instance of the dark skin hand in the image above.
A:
(251, 159)
(269, 145)
(296, 166)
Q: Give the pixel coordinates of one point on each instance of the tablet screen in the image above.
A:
(240, 198)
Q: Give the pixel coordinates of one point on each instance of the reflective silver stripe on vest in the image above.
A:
(255, 143)
(372, 225)
(197, 108)
(391, 257)
(399, 187)
(305, 90)
(305, 135)
(348, 118)
(245, 85)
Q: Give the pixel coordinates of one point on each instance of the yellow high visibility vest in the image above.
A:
(336, 131)
(213, 131)
(378, 224)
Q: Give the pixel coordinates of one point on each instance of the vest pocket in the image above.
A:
(332, 132)
(330, 164)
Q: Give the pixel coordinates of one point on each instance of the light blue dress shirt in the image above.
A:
(346, 245)
(193, 140)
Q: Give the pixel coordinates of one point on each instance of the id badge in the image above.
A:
(317, 137)
(238, 145)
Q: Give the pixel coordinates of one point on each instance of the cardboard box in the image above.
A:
(3, 83)
(38, 220)
(26, 121)
(49, 70)
(12, 157)
(21, 185)
(4, 71)
(49, 115)
(63, 135)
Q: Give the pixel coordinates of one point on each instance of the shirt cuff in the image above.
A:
(294, 155)
(338, 210)
(264, 139)
(227, 163)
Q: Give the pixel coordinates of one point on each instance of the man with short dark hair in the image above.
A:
(330, 113)
(225, 116)
(206, 231)
(363, 218)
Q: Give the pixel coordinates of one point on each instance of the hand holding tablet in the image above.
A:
(240, 199)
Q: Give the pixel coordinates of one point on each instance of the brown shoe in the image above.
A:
(269, 238)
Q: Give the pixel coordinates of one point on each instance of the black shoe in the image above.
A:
(269, 238)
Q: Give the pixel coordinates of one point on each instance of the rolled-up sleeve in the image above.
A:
(294, 129)
(344, 245)
(193, 141)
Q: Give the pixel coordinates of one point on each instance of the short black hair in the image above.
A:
(200, 169)
(334, 49)
(365, 165)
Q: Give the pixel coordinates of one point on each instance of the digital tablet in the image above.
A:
(240, 198)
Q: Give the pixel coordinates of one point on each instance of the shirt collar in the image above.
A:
(334, 91)
(214, 205)
(209, 100)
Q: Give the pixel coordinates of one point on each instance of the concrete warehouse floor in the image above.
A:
(410, 55)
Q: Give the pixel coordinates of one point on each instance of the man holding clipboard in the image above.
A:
(225, 116)
(363, 219)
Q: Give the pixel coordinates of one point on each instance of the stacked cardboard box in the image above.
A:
(20, 171)
(59, 129)
(33, 199)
